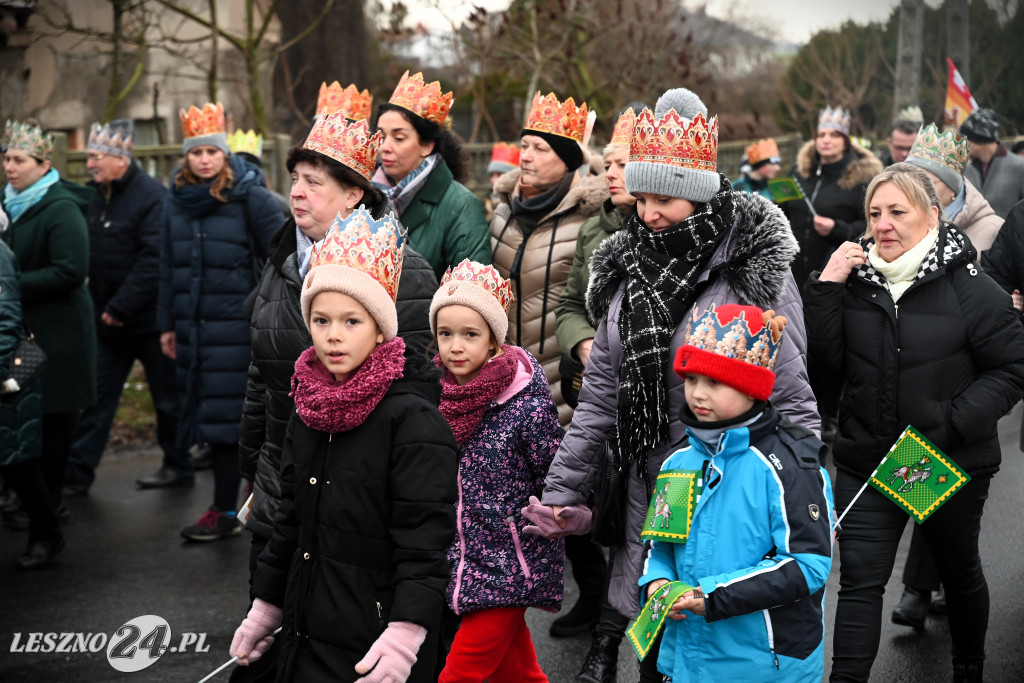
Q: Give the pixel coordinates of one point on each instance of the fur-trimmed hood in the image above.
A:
(754, 257)
(860, 171)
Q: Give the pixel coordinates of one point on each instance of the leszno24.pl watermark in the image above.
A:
(136, 645)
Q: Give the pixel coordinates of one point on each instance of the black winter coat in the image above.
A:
(124, 252)
(366, 517)
(279, 335)
(206, 273)
(949, 359)
(20, 412)
(1004, 260)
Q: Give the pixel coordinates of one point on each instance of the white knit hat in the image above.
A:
(479, 287)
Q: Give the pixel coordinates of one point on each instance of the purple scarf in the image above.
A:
(464, 406)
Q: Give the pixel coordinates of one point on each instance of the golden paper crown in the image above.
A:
(29, 139)
(763, 150)
(349, 101)
(423, 99)
(206, 121)
(548, 115)
(249, 142)
(486, 277)
(374, 247)
(348, 144)
(946, 148)
(623, 132)
(506, 153)
(674, 141)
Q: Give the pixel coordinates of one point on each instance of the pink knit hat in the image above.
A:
(481, 288)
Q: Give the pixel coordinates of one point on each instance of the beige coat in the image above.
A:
(977, 219)
(544, 266)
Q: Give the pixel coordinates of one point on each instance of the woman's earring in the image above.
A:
(493, 351)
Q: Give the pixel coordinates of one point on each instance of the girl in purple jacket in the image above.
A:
(499, 406)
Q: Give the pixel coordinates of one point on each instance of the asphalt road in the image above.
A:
(125, 560)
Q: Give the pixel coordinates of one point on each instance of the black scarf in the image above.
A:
(529, 212)
(661, 271)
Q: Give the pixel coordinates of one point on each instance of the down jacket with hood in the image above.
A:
(493, 562)
(837, 191)
(977, 219)
(749, 266)
(538, 265)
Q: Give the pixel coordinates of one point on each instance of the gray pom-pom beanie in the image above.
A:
(665, 179)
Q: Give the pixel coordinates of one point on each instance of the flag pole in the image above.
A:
(850, 504)
(230, 662)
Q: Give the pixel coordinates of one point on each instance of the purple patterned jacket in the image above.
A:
(493, 563)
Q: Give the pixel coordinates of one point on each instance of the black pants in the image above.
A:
(589, 567)
(226, 476)
(870, 536)
(649, 667)
(26, 478)
(58, 433)
(921, 571)
(611, 623)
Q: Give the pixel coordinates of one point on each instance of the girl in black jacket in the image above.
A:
(356, 568)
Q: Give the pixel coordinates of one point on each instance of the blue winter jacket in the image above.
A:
(760, 547)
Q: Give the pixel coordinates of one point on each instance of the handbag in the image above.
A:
(27, 363)
(608, 525)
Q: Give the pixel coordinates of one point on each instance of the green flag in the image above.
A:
(671, 509)
(917, 476)
(645, 629)
(785, 190)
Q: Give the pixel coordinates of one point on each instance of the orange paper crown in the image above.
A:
(348, 144)
(505, 153)
(349, 101)
(423, 99)
(674, 141)
(486, 277)
(374, 247)
(762, 150)
(206, 121)
(548, 115)
(623, 132)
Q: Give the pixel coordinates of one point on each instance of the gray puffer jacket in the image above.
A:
(750, 266)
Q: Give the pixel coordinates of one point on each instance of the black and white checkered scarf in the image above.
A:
(941, 253)
(662, 269)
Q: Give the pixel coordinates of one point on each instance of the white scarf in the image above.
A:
(901, 272)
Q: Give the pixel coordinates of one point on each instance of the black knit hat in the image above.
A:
(567, 149)
(981, 127)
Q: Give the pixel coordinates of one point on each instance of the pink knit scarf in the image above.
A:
(328, 405)
(464, 406)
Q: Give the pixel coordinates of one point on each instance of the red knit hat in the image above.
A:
(736, 345)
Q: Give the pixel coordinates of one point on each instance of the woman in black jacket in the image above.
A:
(922, 337)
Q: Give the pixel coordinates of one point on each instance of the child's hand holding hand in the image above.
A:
(690, 600)
(254, 635)
(390, 658)
(553, 521)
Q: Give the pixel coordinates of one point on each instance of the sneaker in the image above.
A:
(213, 526)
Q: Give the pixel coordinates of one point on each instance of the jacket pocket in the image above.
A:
(519, 547)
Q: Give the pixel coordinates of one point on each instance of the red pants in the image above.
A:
(493, 644)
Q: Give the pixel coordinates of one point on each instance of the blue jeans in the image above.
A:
(114, 359)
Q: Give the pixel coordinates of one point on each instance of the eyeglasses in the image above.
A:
(96, 157)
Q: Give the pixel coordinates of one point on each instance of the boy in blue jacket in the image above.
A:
(755, 537)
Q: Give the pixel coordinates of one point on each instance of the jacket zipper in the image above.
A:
(380, 617)
(519, 548)
(462, 547)
(771, 638)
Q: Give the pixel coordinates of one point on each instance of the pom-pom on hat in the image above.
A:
(204, 126)
(29, 139)
(941, 154)
(674, 151)
(116, 138)
(736, 345)
(504, 158)
(481, 288)
(836, 119)
(981, 127)
(361, 257)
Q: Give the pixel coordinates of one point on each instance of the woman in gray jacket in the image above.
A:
(692, 241)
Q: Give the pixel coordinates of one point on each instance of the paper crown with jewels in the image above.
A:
(673, 140)
(548, 115)
(204, 126)
(504, 158)
(116, 138)
(836, 119)
(249, 142)
(943, 154)
(29, 139)
(622, 134)
(361, 257)
(479, 287)
(423, 99)
(733, 344)
(347, 143)
(763, 151)
(334, 99)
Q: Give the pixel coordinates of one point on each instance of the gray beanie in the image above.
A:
(948, 176)
(218, 140)
(668, 180)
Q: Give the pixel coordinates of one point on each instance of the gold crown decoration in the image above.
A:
(423, 99)
(374, 247)
(548, 115)
(623, 132)
(206, 121)
(484, 276)
(349, 101)
(347, 143)
(675, 141)
(507, 153)
(763, 150)
(116, 138)
(913, 114)
(836, 119)
(738, 332)
(29, 139)
(249, 142)
(946, 148)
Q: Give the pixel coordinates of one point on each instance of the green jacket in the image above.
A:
(51, 241)
(572, 325)
(446, 222)
(21, 413)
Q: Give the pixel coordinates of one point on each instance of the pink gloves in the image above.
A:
(390, 659)
(253, 637)
(577, 519)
